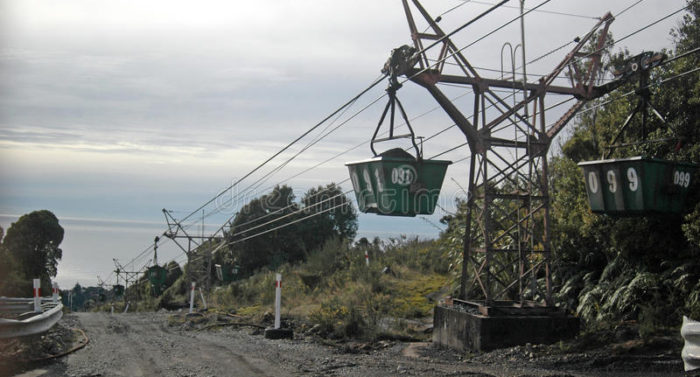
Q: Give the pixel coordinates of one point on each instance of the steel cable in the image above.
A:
(379, 80)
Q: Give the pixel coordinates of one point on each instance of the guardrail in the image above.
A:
(690, 331)
(29, 316)
(30, 323)
(14, 305)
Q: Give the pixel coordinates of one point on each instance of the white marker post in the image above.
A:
(367, 258)
(111, 311)
(54, 287)
(126, 309)
(278, 300)
(204, 302)
(192, 296)
(37, 295)
(276, 332)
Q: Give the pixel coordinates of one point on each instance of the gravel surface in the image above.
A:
(150, 344)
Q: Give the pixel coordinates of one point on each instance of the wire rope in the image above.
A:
(286, 147)
(539, 10)
(379, 80)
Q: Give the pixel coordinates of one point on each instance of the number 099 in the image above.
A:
(612, 179)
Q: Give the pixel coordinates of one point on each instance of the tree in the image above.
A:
(258, 240)
(78, 298)
(264, 233)
(336, 217)
(30, 250)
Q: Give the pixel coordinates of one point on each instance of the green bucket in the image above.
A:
(157, 275)
(226, 272)
(396, 184)
(118, 289)
(637, 186)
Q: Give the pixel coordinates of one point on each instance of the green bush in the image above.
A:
(338, 320)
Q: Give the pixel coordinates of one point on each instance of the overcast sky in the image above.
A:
(113, 110)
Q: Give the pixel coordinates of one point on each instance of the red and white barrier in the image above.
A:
(54, 289)
(37, 296)
(367, 258)
(192, 296)
(278, 300)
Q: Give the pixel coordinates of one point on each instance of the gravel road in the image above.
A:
(142, 344)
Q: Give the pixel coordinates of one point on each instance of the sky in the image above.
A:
(111, 111)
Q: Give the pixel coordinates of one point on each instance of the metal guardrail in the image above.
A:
(13, 305)
(690, 331)
(26, 321)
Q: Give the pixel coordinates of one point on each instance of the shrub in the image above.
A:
(338, 320)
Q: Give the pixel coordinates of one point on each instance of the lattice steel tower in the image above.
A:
(506, 255)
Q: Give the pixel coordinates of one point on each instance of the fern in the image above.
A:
(615, 267)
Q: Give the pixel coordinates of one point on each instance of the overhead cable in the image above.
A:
(348, 203)
(376, 82)
(631, 34)
(539, 10)
(286, 147)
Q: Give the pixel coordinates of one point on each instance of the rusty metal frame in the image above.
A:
(175, 232)
(129, 276)
(507, 238)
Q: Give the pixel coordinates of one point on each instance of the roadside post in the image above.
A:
(192, 296)
(367, 258)
(278, 300)
(54, 287)
(276, 332)
(37, 295)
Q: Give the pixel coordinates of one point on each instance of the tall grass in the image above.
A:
(336, 290)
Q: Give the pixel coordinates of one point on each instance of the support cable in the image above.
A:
(629, 35)
(620, 13)
(289, 223)
(539, 10)
(362, 93)
(378, 81)
(340, 154)
(263, 179)
(348, 203)
(370, 87)
(286, 147)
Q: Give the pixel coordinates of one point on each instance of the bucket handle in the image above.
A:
(393, 100)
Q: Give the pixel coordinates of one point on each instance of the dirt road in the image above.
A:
(142, 344)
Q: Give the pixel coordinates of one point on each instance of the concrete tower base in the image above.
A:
(470, 326)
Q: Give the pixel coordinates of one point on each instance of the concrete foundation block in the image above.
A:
(281, 333)
(466, 331)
